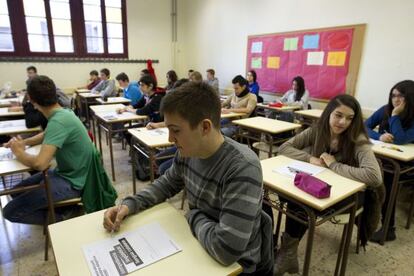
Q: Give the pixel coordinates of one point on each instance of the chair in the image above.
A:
(45, 185)
(64, 203)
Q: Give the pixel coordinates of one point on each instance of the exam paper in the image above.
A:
(298, 166)
(129, 251)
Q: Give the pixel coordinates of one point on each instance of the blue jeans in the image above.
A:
(165, 164)
(31, 207)
(227, 128)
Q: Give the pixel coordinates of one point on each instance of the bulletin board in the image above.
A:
(327, 58)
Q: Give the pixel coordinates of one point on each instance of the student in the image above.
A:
(144, 72)
(64, 139)
(171, 80)
(190, 72)
(196, 77)
(253, 85)
(222, 178)
(152, 107)
(212, 80)
(31, 73)
(93, 81)
(396, 125)
(298, 95)
(340, 143)
(240, 102)
(106, 87)
(131, 90)
(164, 164)
(32, 116)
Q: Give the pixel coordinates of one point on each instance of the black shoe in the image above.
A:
(376, 237)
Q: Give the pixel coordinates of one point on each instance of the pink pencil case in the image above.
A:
(312, 185)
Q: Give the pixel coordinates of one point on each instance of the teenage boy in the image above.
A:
(106, 88)
(222, 179)
(131, 90)
(212, 80)
(64, 139)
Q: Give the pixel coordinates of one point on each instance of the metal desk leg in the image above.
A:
(133, 158)
(348, 236)
(393, 196)
(309, 243)
(94, 129)
(111, 152)
(100, 139)
(151, 167)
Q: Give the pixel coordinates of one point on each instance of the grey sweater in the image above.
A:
(368, 170)
(106, 88)
(224, 193)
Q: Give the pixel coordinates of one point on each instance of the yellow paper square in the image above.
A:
(273, 62)
(336, 58)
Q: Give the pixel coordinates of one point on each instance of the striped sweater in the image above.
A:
(224, 194)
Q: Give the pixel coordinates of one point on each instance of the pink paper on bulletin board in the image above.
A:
(320, 57)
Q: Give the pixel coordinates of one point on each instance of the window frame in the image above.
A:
(21, 41)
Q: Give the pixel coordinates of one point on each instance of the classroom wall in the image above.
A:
(215, 34)
(149, 37)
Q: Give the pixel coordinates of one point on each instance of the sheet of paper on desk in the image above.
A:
(157, 132)
(129, 251)
(298, 166)
(12, 124)
(6, 154)
(376, 142)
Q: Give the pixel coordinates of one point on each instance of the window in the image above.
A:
(66, 28)
(6, 40)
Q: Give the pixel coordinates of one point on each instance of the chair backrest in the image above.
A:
(309, 106)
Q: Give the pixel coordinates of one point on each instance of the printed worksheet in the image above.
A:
(130, 251)
(296, 167)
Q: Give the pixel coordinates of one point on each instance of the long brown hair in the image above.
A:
(406, 88)
(349, 139)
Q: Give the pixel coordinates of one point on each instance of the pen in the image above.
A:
(293, 170)
(117, 212)
(393, 148)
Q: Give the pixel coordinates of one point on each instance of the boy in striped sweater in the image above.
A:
(222, 178)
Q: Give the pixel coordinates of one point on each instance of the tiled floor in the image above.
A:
(22, 246)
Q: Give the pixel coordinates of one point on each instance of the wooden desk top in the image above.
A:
(106, 107)
(153, 138)
(192, 260)
(77, 91)
(266, 125)
(232, 115)
(310, 113)
(90, 95)
(113, 100)
(283, 108)
(13, 127)
(342, 187)
(10, 101)
(390, 150)
(113, 117)
(4, 112)
(13, 166)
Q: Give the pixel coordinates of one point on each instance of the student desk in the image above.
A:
(114, 100)
(310, 115)
(106, 120)
(10, 101)
(317, 210)
(81, 90)
(5, 113)
(389, 154)
(232, 115)
(102, 109)
(15, 127)
(147, 142)
(86, 99)
(279, 109)
(192, 260)
(266, 126)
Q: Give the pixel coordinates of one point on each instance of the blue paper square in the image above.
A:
(311, 41)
